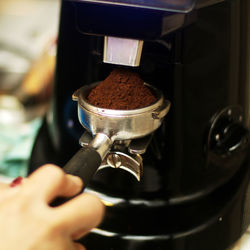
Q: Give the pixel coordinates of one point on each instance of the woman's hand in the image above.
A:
(29, 223)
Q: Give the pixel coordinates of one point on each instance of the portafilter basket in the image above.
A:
(109, 125)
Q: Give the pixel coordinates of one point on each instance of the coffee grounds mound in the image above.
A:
(123, 90)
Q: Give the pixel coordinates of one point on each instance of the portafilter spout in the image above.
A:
(108, 125)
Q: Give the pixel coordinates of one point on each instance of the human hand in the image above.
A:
(29, 223)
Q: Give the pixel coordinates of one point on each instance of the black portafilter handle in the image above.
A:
(84, 164)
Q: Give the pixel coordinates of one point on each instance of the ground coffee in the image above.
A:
(122, 89)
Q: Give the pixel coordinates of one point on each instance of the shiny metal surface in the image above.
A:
(122, 51)
(120, 124)
(108, 126)
(101, 143)
(130, 161)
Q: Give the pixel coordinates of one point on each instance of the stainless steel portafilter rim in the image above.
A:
(121, 124)
(81, 97)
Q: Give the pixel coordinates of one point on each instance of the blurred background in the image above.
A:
(28, 33)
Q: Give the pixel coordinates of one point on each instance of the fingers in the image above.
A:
(84, 212)
(4, 186)
(50, 182)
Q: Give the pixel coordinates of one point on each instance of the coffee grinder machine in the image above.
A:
(193, 193)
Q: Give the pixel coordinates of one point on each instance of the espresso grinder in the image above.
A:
(173, 175)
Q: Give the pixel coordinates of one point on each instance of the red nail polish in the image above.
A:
(16, 181)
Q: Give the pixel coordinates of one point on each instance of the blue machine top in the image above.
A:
(166, 5)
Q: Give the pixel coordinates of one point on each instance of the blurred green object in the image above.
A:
(16, 141)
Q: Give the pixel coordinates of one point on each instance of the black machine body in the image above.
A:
(193, 194)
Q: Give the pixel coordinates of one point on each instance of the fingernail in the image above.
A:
(16, 181)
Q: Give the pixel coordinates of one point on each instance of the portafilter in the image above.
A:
(108, 126)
